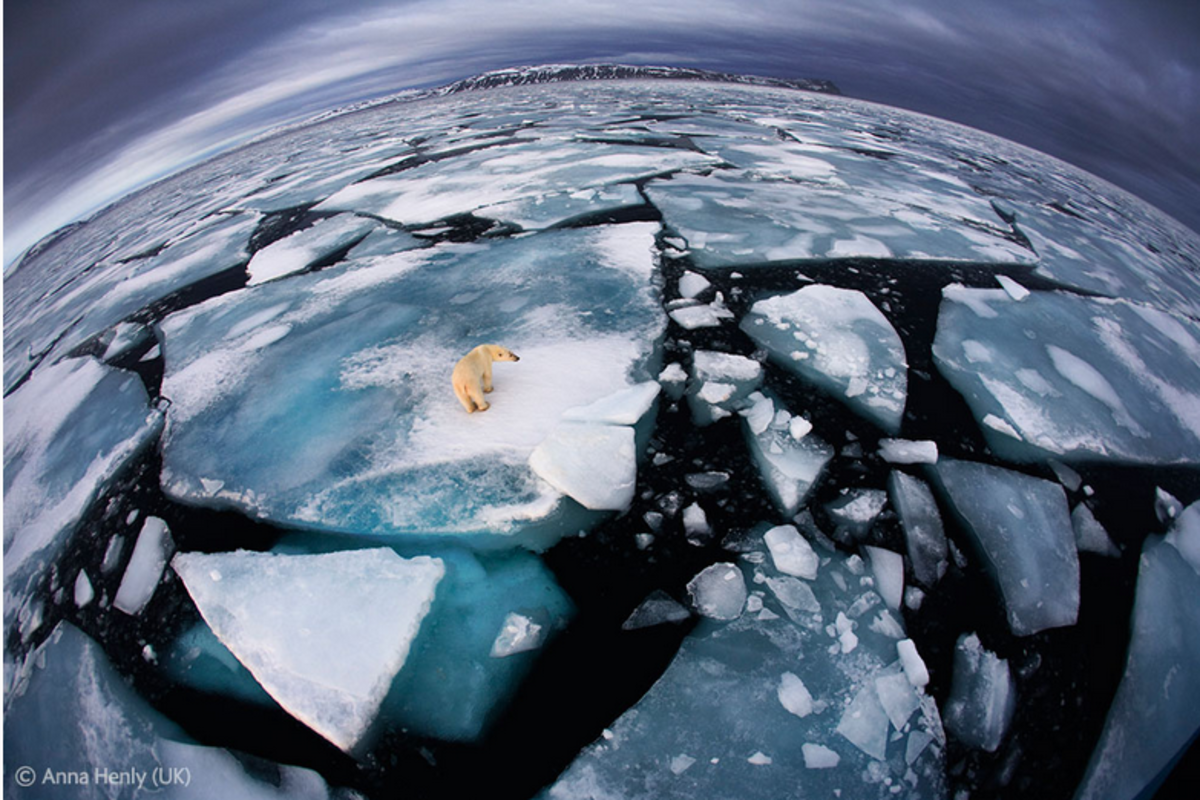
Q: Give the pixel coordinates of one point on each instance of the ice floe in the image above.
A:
(922, 522)
(309, 246)
(1022, 528)
(1075, 378)
(789, 468)
(982, 696)
(151, 552)
(837, 339)
(326, 655)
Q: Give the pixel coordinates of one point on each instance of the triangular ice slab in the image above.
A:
(324, 634)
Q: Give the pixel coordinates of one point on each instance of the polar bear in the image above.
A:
(473, 375)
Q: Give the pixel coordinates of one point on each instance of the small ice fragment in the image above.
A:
(145, 568)
(1066, 476)
(799, 427)
(84, 593)
(888, 568)
(982, 699)
(681, 763)
(918, 740)
(112, 554)
(897, 697)
(886, 625)
(1166, 505)
(794, 695)
(695, 522)
(913, 598)
(656, 609)
(865, 723)
(905, 451)
(791, 552)
(518, 634)
(692, 284)
(817, 756)
(914, 665)
(759, 759)
(1090, 535)
(719, 591)
(1014, 290)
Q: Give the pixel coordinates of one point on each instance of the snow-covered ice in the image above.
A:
(1023, 530)
(837, 339)
(722, 383)
(341, 377)
(1090, 535)
(855, 512)
(1079, 379)
(67, 432)
(304, 248)
(593, 464)
(326, 655)
(904, 451)
(789, 467)
(518, 634)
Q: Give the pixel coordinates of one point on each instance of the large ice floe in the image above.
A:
(772, 698)
(1079, 379)
(75, 728)
(793, 371)
(292, 622)
(1156, 713)
(1022, 528)
(840, 341)
(342, 377)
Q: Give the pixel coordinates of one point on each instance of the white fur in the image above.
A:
(473, 375)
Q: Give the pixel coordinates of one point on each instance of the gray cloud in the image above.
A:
(100, 98)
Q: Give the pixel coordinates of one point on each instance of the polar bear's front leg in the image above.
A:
(487, 377)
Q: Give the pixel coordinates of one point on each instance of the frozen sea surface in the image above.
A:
(752, 578)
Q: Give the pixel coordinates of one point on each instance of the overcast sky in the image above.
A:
(102, 97)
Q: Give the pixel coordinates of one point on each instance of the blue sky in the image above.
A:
(102, 97)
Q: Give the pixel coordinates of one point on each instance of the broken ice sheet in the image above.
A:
(735, 218)
(922, 522)
(144, 571)
(982, 696)
(762, 683)
(68, 431)
(789, 467)
(1023, 529)
(341, 379)
(497, 177)
(838, 340)
(76, 706)
(1081, 379)
(721, 384)
(326, 656)
(306, 247)
(657, 609)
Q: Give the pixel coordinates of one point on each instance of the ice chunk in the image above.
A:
(791, 552)
(722, 383)
(903, 451)
(125, 337)
(150, 554)
(857, 511)
(341, 377)
(982, 698)
(865, 723)
(625, 407)
(67, 431)
(888, 568)
(795, 596)
(1075, 378)
(718, 591)
(326, 656)
(593, 464)
(657, 609)
(681, 763)
(693, 317)
(308, 246)
(562, 208)
(519, 634)
(1022, 527)
(914, 665)
(695, 522)
(923, 533)
(692, 284)
(794, 696)
(1090, 535)
(75, 703)
(1185, 535)
(789, 467)
(1066, 476)
(673, 377)
(1153, 716)
(84, 593)
(1014, 290)
(818, 756)
(1166, 505)
(897, 696)
(847, 347)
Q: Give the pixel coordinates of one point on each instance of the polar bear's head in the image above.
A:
(499, 353)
